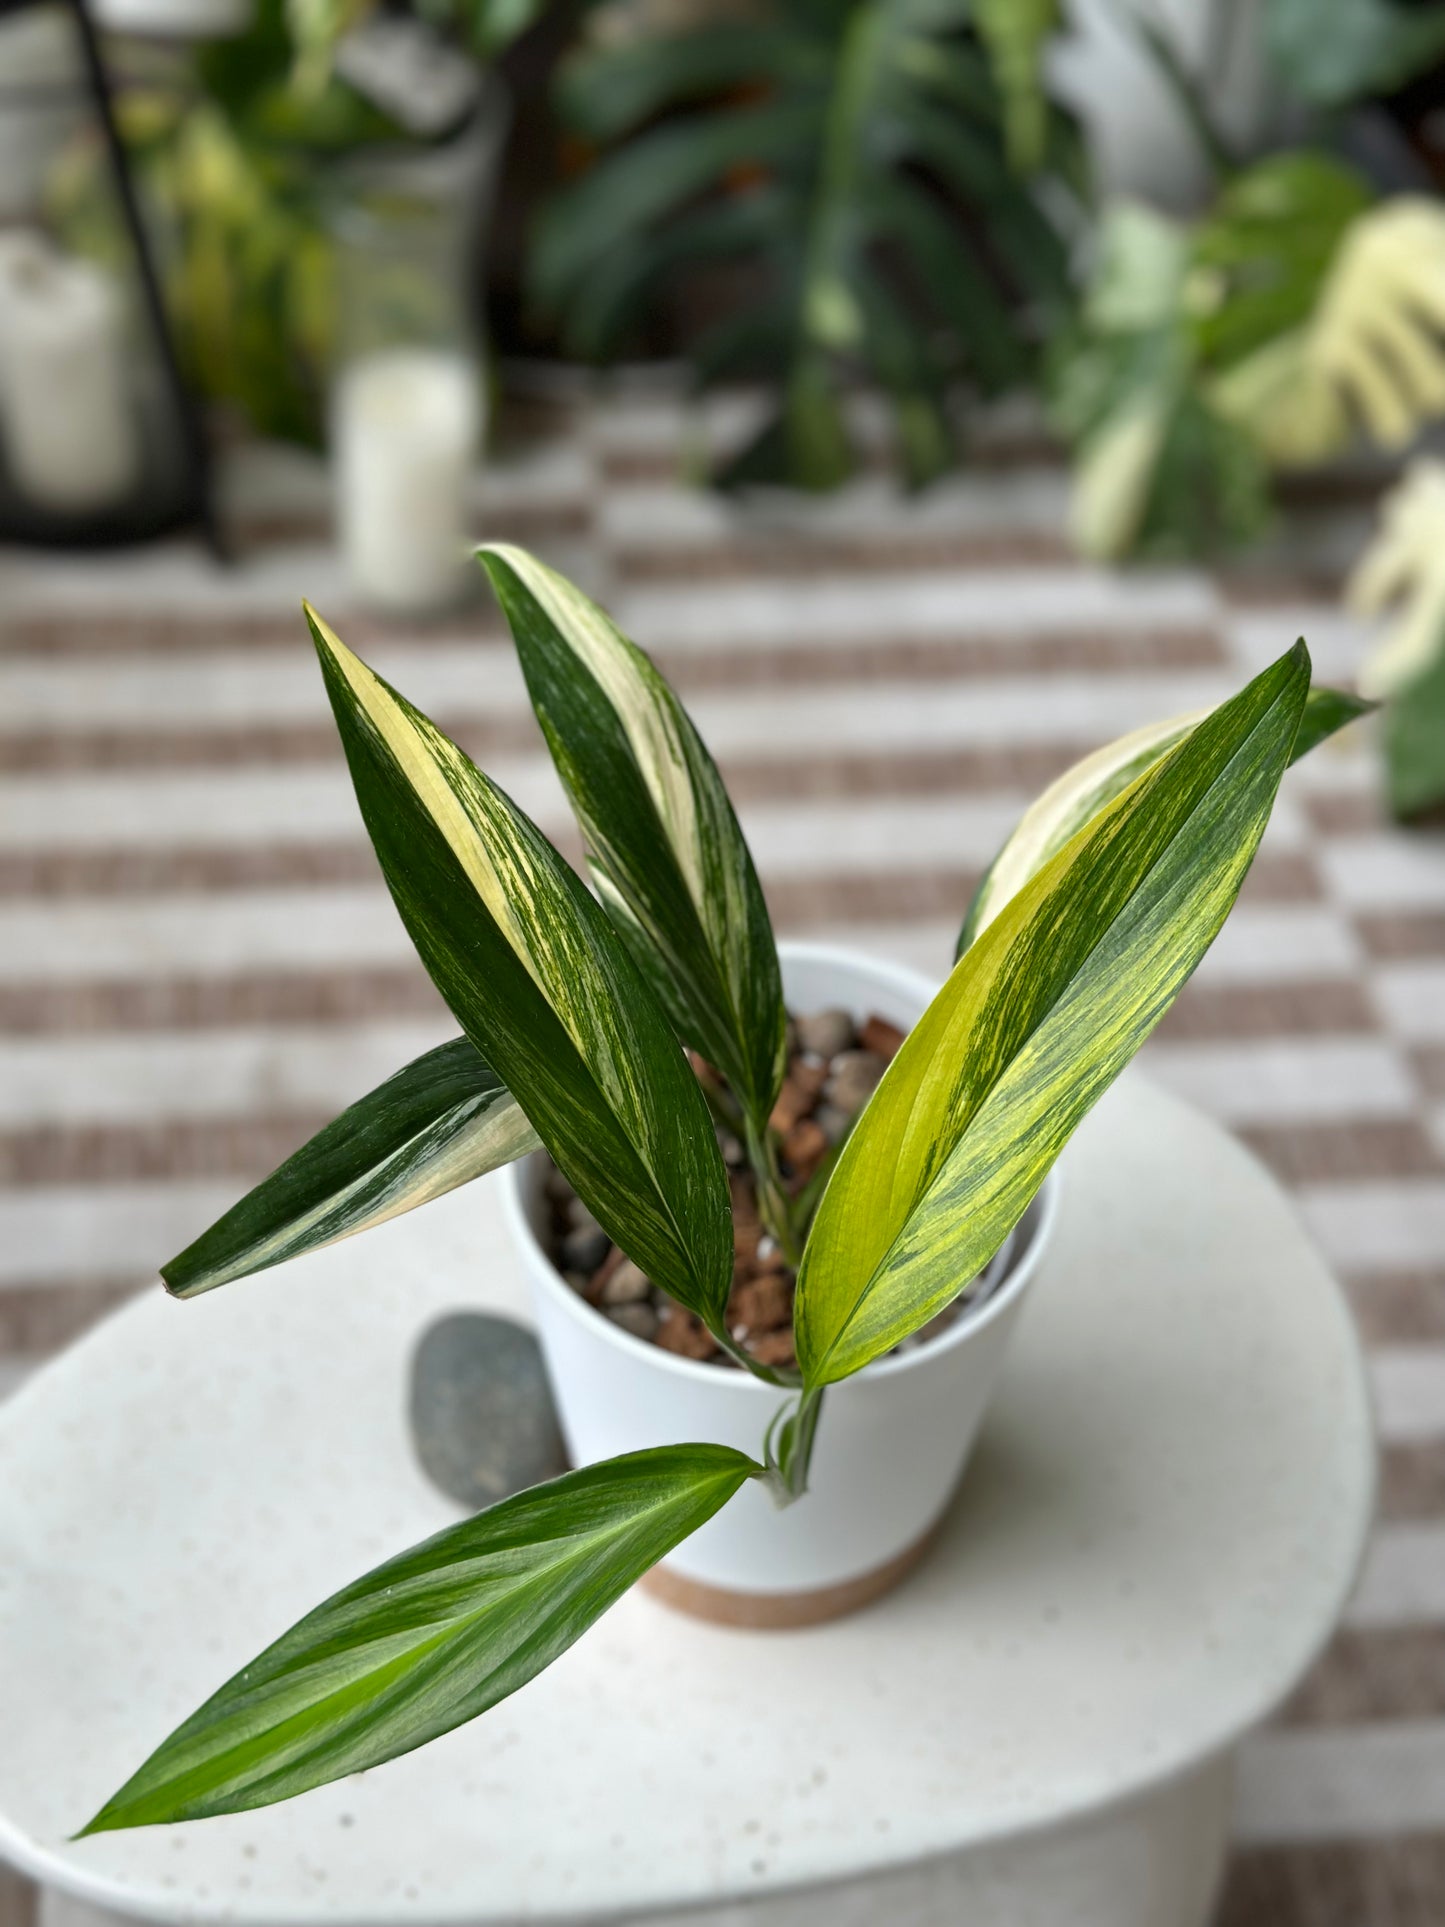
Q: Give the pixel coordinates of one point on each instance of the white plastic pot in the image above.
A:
(892, 1441)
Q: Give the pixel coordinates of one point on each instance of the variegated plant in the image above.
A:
(574, 1008)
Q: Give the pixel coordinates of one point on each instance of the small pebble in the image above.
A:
(579, 1217)
(584, 1250)
(773, 1348)
(833, 1122)
(826, 1032)
(640, 1320)
(881, 1036)
(578, 1280)
(628, 1285)
(762, 1304)
(855, 1074)
(732, 1151)
(805, 1144)
(685, 1333)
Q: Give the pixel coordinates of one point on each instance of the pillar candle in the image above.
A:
(72, 440)
(406, 428)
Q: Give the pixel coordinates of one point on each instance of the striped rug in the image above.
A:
(199, 966)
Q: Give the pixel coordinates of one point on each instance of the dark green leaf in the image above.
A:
(442, 1121)
(666, 852)
(537, 978)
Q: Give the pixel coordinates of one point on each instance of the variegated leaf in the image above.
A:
(442, 1121)
(1037, 1019)
(535, 975)
(431, 1638)
(1083, 790)
(664, 846)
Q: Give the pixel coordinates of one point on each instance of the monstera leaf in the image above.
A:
(1369, 356)
(851, 163)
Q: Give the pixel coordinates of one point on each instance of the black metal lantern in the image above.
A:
(100, 442)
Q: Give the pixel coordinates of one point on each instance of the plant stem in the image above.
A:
(795, 1447)
(774, 1205)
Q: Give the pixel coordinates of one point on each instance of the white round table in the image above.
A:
(1155, 1537)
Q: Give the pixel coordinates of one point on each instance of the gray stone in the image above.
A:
(833, 1121)
(482, 1418)
(826, 1032)
(628, 1285)
(584, 1250)
(640, 1320)
(579, 1218)
(855, 1073)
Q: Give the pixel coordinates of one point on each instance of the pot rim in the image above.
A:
(913, 984)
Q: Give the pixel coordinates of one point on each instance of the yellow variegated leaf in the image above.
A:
(1083, 790)
(1037, 1019)
(665, 849)
(442, 1121)
(540, 983)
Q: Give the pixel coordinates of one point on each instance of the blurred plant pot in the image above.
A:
(892, 1442)
(408, 404)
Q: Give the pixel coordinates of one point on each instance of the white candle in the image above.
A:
(407, 423)
(72, 441)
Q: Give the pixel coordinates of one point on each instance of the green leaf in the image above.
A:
(430, 1639)
(442, 1121)
(1331, 52)
(605, 91)
(1036, 1021)
(1015, 33)
(1093, 782)
(1415, 743)
(664, 846)
(530, 966)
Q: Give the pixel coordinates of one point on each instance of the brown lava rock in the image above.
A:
(833, 1066)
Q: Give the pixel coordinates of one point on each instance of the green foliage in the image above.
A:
(430, 1639)
(1333, 52)
(1040, 1015)
(849, 163)
(442, 1121)
(1415, 742)
(1095, 915)
(232, 152)
(1208, 356)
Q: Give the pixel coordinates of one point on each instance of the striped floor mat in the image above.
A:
(198, 964)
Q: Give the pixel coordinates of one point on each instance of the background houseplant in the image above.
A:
(1093, 919)
(871, 191)
(239, 146)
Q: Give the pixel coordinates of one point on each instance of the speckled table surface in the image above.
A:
(1157, 1535)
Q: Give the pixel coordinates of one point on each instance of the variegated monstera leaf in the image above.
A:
(1403, 571)
(1370, 357)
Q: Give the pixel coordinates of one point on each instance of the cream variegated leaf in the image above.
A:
(1403, 572)
(1037, 1019)
(1095, 780)
(1370, 356)
(665, 849)
(530, 966)
(430, 1639)
(445, 1119)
